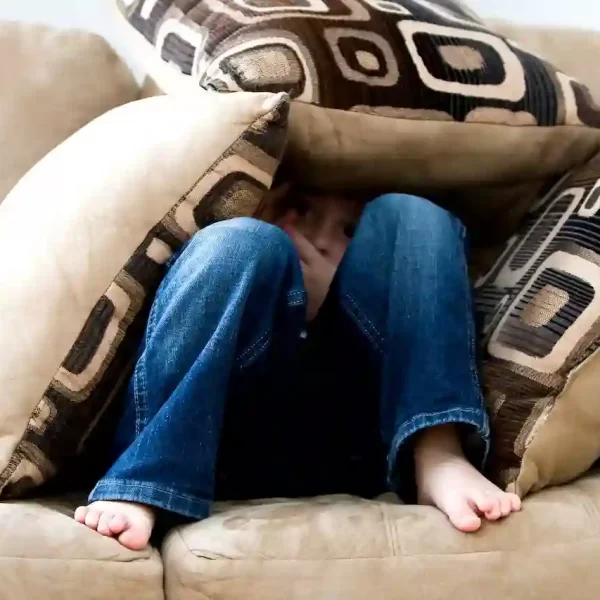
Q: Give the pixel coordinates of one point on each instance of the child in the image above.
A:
(333, 352)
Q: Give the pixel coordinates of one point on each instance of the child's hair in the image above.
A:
(287, 192)
(274, 202)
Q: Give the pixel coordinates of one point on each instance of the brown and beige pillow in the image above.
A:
(52, 83)
(412, 94)
(540, 305)
(83, 240)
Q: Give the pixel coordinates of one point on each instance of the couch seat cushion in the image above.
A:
(343, 547)
(44, 553)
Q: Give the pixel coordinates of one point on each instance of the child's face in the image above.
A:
(328, 222)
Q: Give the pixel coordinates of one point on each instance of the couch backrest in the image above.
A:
(52, 83)
(574, 51)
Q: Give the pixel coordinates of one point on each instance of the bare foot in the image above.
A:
(447, 480)
(129, 522)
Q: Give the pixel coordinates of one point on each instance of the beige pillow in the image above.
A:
(83, 240)
(51, 84)
(540, 307)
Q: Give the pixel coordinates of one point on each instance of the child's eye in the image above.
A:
(302, 208)
(350, 230)
(299, 204)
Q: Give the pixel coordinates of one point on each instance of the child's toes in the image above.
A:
(488, 505)
(117, 524)
(80, 513)
(103, 524)
(484, 503)
(136, 535)
(505, 505)
(495, 512)
(515, 502)
(92, 518)
(462, 516)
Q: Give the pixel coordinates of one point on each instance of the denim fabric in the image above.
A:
(234, 395)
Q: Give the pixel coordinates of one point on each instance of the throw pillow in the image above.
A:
(84, 238)
(408, 95)
(540, 306)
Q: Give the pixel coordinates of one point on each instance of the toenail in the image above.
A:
(80, 514)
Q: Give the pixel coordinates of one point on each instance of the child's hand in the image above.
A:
(317, 270)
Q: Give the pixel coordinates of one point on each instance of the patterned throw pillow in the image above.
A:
(408, 94)
(83, 240)
(541, 308)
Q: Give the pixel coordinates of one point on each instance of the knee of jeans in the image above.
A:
(250, 237)
(390, 210)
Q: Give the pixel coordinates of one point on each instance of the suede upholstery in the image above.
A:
(329, 548)
(54, 83)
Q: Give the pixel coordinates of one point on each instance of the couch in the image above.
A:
(330, 547)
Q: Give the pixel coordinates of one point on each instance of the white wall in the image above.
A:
(574, 13)
(100, 15)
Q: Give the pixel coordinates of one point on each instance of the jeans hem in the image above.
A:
(464, 416)
(145, 492)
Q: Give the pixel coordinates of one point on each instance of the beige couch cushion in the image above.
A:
(52, 83)
(44, 553)
(331, 548)
(99, 217)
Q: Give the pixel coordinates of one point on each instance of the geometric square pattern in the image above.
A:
(419, 57)
(98, 362)
(540, 309)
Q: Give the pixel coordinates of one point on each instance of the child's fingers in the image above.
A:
(307, 252)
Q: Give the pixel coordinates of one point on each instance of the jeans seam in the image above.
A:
(140, 384)
(167, 499)
(258, 351)
(470, 416)
(242, 364)
(364, 323)
(295, 293)
(252, 346)
(139, 391)
(296, 298)
(297, 303)
(112, 485)
(435, 415)
(471, 331)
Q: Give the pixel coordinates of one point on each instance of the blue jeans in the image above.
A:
(235, 396)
